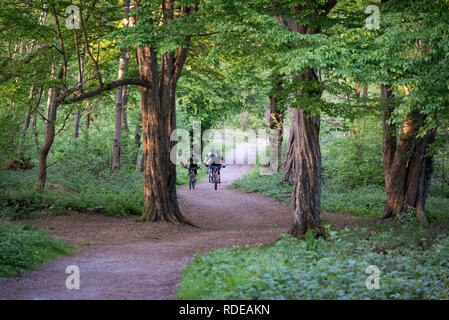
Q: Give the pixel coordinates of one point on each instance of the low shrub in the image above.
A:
(412, 264)
(24, 247)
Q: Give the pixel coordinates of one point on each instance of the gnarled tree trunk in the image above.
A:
(307, 174)
(407, 166)
(302, 164)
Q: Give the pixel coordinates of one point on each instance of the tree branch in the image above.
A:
(108, 86)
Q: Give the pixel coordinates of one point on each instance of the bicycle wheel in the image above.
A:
(190, 183)
(193, 181)
(215, 180)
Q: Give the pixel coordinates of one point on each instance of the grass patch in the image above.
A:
(24, 247)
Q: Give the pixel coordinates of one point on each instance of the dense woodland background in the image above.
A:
(362, 115)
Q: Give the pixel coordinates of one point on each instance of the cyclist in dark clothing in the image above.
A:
(193, 164)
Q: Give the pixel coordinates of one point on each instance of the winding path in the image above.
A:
(119, 258)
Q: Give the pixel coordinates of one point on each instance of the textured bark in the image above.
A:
(158, 119)
(158, 122)
(407, 166)
(307, 175)
(302, 164)
(306, 170)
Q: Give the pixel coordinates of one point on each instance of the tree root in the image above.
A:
(149, 215)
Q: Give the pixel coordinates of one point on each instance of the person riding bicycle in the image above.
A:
(214, 159)
(193, 164)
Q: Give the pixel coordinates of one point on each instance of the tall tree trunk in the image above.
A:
(120, 93)
(365, 92)
(306, 171)
(303, 155)
(158, 122)
(86, 133)
(307, 174)
(76, 127)
(142, 163)
(34, 121)
(288, 164)
(276, 122)
(124, 108)
(357, 89)
(34, 132)
(160, 199)
(118, 114)
(50, 99)
(407, 166)
(48, 142)
(36, 108)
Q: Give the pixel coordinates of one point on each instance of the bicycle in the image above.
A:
(213, 175)
(192, 177)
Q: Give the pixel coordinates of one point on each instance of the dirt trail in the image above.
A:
(123, 259)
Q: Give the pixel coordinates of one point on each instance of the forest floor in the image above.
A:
(120, 258)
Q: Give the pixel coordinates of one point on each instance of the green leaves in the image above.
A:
(24, 248)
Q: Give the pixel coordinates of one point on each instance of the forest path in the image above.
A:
(120, 258)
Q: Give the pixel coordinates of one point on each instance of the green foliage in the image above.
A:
(366, 201)
(23, 247)
(74, 188)
(412, 261)
(117, 194)
(353, 158)
(269, 185)
(363, 201)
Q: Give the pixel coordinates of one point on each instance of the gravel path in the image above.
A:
(120, 258)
